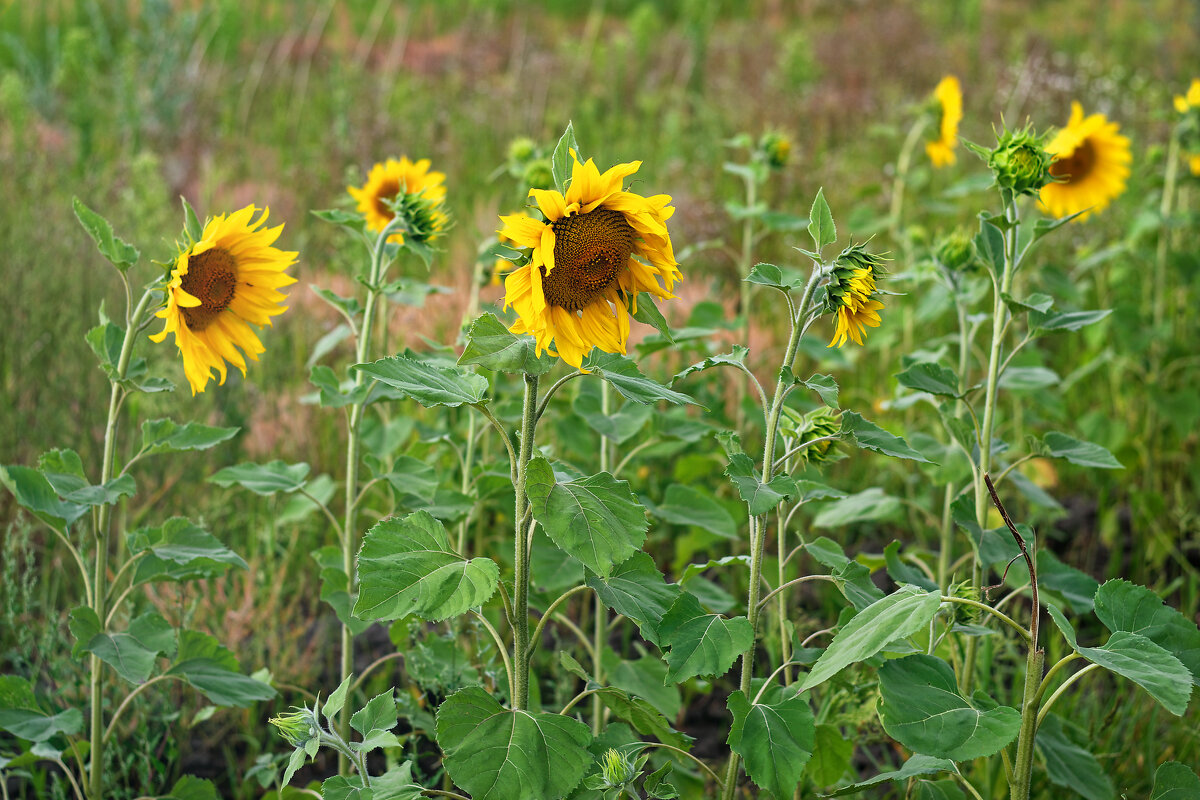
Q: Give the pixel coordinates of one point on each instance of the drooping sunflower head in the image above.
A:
(1189, 125)
(593, 251)
(947, 107)
(408, 184)
(851, 293)
(220, 285)
(1090, 167)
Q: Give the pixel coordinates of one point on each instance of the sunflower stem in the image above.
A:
(903, 163)
(353, 444)
(521, 654)
(796, 316)
(751, 181)
(1001, 286)
(600, 617)
(102, 519)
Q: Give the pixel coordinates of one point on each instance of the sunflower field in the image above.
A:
(596, 400)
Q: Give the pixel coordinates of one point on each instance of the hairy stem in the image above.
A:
(520, 620)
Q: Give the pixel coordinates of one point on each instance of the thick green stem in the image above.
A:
(797, 317)
(600, 617)
(353, 443)
(1002, 285)
(946, 548)
(521, 654)
(100, 576)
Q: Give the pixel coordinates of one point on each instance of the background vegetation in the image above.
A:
(129, 105)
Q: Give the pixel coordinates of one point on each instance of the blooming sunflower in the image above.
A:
(597, 248)
(392, 178)
(851, 294)
(222, 284)
(948, 97)
(1091, 164)
(1189, 105)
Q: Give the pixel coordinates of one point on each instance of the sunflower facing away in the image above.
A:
(597, 248)
(851, 294)
(1091, 164)
(220, 286)
(948, 96)
(388, 180)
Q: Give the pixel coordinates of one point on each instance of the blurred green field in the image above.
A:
(129, 105)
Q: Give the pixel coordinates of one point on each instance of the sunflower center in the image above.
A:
(388, 190)
(589, 252)
(1076, 166)
(212, 279)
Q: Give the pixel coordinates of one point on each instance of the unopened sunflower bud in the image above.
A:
(817, 425)
(776, 149)
(954, 252)
(521, 149)
(298, 726)
(963, 613)
(424, 216)
(616, 769)
(1020, 162)
(538, 175)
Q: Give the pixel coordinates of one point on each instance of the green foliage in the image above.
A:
(776, 740)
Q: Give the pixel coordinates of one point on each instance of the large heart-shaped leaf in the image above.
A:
(639, 591)
(775, 739)
(701, 644)
(497, 754)
(407, 566)
(1124, 606)
(131, 653)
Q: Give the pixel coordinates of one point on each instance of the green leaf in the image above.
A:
(33, 491)
(647, 313)
(927, 376)
(408, 566)
(647, 678)
(774, 739)
(131, 654)
(1037, 303)
(63, 469)
(337, 700)
(375, 720)
(596, 519)
(335, 587)
(1135, 657)
(119, 253)
(215, 672)
(165, 436)
(831, 755)
(497, 754)
(618, 426)
(624, 376)
(1069, 320)
(826, 388)
(902, 572)
(684, 505)
(1124, 606)
(868, 505)
(989, 244)
(426, 383)
(644, 718)
(917, 765)
(736, 359)
(1077, 588)
(870, 436)
(1070, 766)
(191, 223)
(349, 306)
(944, 789)
(920, 707)
(776, 277)
(896, 616)
(491, 345)
(411, 476)
(263, 479)
(347, 219)
(179, 550)
(561, 164)
(701, 644)
(1028, 378)
(333, 393)
(759, 497)
(851, 578)
(1085, 454)
(190, 787)
(23, 717)
(637, 590)
(1174, 781)
(820, 222)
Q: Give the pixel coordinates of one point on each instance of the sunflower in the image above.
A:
(851, 294)
(947, 96)
(1091, 163)
(389, 180)
(598, 247)
(222, 284)
(1189, 105)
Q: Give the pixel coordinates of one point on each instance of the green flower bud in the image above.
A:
(954, 251)
(965, 614)
(776, 149)
(616, 769)
(298, 726)
(424, 218)
(818, 424)
(1020, 161)
(538, 175)
(521, 149)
